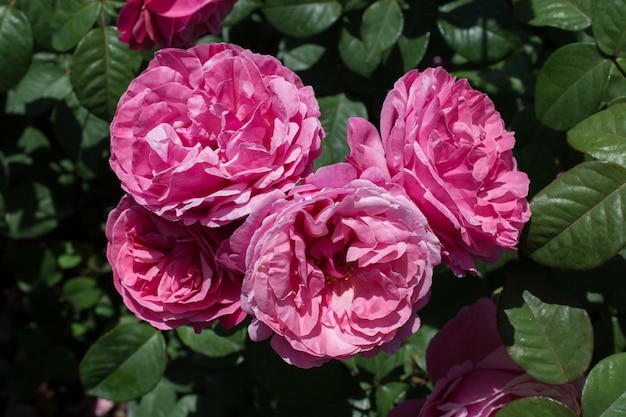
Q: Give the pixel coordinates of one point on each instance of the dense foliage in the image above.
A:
(556, 71)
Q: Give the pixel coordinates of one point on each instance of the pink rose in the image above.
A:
(166, 272)
(167, 23)
(202, 134)
(339, 267)
(445, 143)
(473, 374)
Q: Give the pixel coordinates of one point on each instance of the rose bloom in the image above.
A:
(203, 133)
(473, 374)
(166, 272)
(339, 267)
(170, 23)
(445, 143)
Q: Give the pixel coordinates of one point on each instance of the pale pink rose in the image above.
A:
(445, 143)
(166, 272)
(338, 267)
(473, 374)
(203, 133)
(170, 23)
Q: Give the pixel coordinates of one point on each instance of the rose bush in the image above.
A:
(202, 133)
(166, 272)
(473, 374)
(446, 144)
(339, 267)
(170, 23)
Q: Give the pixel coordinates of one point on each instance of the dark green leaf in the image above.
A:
(210, 344)
(101, 70)
(609, 26)
(336, 110)
(30, 211)
(579, 220)
(82, 292)
(241, 10)
(38, 13)
(602, 135)
(356, 56)
(45, 81)
(412, 50)
(563, 14)
(535, 407)
(570, 85)
(157, 403)
(551, 341)
(479, 30)
(381, 25)
(604, 393)
(196, 406)
(415, 347)
(302, 57)
(71, 21)
(16, 46)
(302, 18)
(125, 363)
(388, 395)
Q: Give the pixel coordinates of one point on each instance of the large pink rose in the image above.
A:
(203, 133)
(473, 374)
(170, 23)
(166, 272)
(445, 143)
(339, 267)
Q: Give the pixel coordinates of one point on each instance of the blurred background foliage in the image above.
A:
(555, 70)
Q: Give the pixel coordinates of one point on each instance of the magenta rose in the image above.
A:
(166, 272)
(445, 143)
(170, 23)
(203, 133)
(339, 267)
(473, 374)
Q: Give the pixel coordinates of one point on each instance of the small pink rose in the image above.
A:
(170, 23)
(166, 272)
(203, 133)
(473, 374)
(338, 267)
(445, 143)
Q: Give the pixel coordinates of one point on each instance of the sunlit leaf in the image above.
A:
(125, 363)
(604, 393)
(563, 14)
(579, 220)
(602, 135)
(570, 85)
(535, 407)
(302, 18)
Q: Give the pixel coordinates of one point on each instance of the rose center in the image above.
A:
(336, 268)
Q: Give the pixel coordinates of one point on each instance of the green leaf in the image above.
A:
(157, 403)
(30, 211)
(609, 26)
(552, 342)
(336, 110)
(602, 135)
(356, 56)
(210, 344)
(16, 46)
(302, 57)
(38, 13)
(381, 25)
(46, 80)
(564, 14)
(241, 10)
(570, 85)
(412, 50)
(197, 405)
(388, 395)
(82, 292)
(71, 21)
(302, 18)
(535, 407)
(125, 363)
(604, 393)
(579, 221)
(101, 70)
(479, 30)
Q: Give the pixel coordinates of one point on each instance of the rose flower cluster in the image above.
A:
(223, 217)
